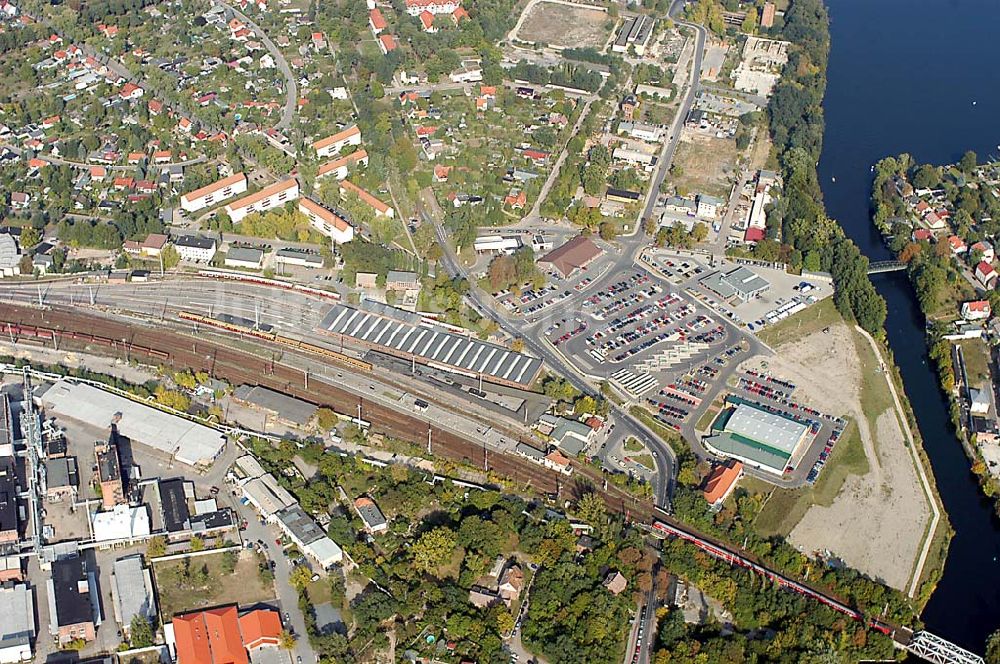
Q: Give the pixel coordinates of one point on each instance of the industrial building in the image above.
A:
(410, 336)
(214, 193)
(756, 437)
(132, 592)
(73, 601)
(635, 33)
(497, 244)
(284, 408)
(186, 441)
(245, 257)
(17, 623)
(267, 496)
(268, 198)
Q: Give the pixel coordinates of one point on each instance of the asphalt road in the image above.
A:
(291, 91)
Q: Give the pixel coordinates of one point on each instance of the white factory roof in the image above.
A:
(432, 345)
(267, 495)
(325, 551)
(760, 426)
(121, 523)
(17, 618)
(132, 590)
(189, 442)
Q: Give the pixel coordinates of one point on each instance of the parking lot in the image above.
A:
(630, 319)
(676, 401)
(776, 395)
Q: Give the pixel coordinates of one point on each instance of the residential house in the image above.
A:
(986, 275)
(371, 515)
(327, 222)
(721, 482)
(985, 250)
(332, 145)
(272, 196)
(616, 583)
(976, 310)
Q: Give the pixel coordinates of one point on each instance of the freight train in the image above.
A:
(15, 330)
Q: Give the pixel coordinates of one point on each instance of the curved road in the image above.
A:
(291, 91)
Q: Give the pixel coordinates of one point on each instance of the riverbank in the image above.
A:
(923, 212)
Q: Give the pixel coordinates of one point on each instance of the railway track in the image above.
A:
(130, 340)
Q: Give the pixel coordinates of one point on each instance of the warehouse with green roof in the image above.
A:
(756, 437)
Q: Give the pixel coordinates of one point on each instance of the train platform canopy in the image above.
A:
(756, 437)
(189, 442)
(407, 335)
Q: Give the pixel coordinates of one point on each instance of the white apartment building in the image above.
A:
(415, 7)
(332, 145)
(195, 248)
(212, 194)
(269, 197)
(340, 168)
(327, 222)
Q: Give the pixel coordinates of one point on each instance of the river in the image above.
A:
(919, 76)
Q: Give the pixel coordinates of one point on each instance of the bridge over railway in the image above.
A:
(878, 267)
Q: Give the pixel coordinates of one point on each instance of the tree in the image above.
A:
(592, 510)
(968, 162)
(299, 578)
(197, 543)
(326, 418)
(433, 550)
(286, 640)
(156, 547)
(169, 257)
(229, 560)
(993, 648)
(926, 177)
(141, 632)
(29, 238)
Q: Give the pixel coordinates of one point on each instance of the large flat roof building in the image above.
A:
(760, 439)
(17, 623)
(186, 441)
(408, 336)
(8, 502)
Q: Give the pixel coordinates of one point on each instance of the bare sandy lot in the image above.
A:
(564, 26)
(876, 521)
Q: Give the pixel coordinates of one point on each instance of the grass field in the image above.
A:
(645, 460)
(209, 587)
(977, 361)
(633, 445)
(817, 317)
(707, 165)
(563, 26)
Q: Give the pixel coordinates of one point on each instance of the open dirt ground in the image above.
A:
(564, 26)
(707, 163)
(877, 520)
